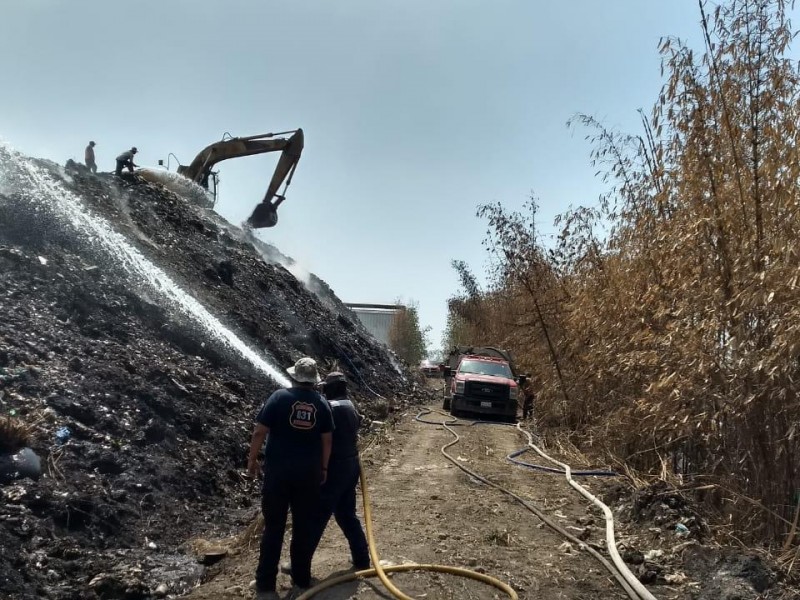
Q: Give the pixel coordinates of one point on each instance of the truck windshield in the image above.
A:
(478, 367)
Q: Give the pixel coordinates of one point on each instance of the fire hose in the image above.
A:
(617, 568)
(381, 572)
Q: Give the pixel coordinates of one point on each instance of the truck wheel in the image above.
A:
(446, 404)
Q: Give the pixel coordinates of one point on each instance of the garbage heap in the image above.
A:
(123, 426)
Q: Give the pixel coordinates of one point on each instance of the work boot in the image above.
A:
(299, 590)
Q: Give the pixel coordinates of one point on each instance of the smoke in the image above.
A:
(180, 185)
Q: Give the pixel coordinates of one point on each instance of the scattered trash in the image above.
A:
(9, 375)
(42, 260)
(24, 463)
(566, 548)
(653, 554)
(62, 435)
(681, 530)
(675, 578)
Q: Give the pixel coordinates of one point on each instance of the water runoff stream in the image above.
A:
(37, 186)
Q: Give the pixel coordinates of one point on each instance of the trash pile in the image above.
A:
(665, 540)
(132, 423)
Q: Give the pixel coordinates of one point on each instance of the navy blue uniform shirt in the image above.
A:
(347, 421)
(296, 418)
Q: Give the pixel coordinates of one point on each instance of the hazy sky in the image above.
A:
(414, 111)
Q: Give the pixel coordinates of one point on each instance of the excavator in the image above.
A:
(266, 212)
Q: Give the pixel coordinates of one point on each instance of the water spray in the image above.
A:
(37, 187)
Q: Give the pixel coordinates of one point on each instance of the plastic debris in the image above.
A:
(62, 435)
(24, 463)
(651, 554)
(681, 529)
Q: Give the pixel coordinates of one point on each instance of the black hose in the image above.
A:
(612, 569)
(513, 456)
(589, 473)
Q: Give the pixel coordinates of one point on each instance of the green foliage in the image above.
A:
(407, 338)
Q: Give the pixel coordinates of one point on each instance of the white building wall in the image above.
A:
(377, 322)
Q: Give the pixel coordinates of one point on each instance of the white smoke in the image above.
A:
(178, 184)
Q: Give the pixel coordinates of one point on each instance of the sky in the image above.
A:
(415, 112)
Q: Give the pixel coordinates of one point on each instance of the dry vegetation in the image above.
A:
(664, 325)
(14, 435)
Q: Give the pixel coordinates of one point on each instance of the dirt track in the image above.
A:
(426, 510)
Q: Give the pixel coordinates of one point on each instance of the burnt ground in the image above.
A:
(141, 418)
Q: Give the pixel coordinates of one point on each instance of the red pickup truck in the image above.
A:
(483, 384)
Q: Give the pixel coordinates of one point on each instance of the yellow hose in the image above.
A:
(381, 572)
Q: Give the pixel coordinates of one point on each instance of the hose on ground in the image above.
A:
(585, 473)
(513, 456)
(381, 572)
(611, 543)
(344, 355)
(611, 568)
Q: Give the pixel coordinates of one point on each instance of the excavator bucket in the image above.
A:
(265, 215)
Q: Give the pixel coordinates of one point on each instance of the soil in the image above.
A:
(425, 510)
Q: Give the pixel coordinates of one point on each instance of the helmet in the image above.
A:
(134, 150)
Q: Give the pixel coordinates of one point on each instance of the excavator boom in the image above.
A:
(265, 213)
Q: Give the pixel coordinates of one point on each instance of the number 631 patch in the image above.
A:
(303, 415)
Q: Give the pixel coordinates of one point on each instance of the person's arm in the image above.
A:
(327, 445)
(256, 441)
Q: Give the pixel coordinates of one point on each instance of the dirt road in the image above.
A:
(426, 510)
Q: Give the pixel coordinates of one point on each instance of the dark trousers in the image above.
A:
(121, 164)
(92, 166)
(338, 498)
(527, 409)
(297, 490)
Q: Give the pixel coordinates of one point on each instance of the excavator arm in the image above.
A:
(265, 213)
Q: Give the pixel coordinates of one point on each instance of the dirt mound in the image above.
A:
(139, 411)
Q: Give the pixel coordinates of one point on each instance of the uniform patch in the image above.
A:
(303, 415)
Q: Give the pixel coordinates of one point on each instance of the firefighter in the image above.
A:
(297, 424)
(338, 498)
(527, 402)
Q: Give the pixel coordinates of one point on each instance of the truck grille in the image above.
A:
(488, 391)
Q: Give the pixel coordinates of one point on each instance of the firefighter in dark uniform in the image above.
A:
(339, 491)
(527, 406)
(297, 424)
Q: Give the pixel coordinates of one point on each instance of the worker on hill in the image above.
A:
(339, 491)
(88, 157)
(126, 160)
(297, 424)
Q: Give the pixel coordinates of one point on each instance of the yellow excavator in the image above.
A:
(291, 147)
